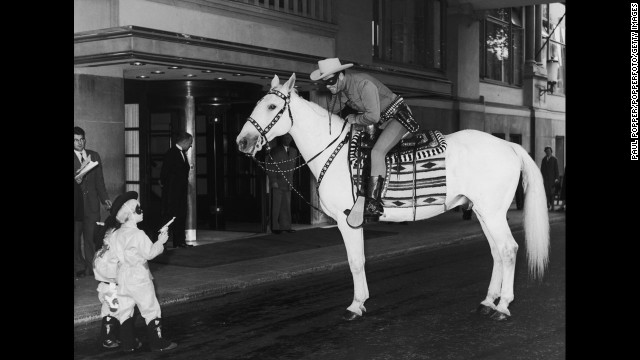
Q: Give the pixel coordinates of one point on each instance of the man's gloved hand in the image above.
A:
(351, 119)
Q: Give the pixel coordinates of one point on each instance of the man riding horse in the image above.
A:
(377, 106)
(480, 168)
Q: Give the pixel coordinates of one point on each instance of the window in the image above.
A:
(132, 147)
(501, 46)
(408, 32)
(498, 135)
(553, 26)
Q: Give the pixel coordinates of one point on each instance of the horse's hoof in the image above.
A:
(349, 315)
(498, 316)
(484, 310)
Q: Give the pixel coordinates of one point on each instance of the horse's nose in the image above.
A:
(242, 144)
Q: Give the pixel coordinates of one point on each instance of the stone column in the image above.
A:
(190, 127)
(530, 36)
(463, 57)
(538, 39)
(535, 75)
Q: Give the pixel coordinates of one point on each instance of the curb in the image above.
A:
(211, 290)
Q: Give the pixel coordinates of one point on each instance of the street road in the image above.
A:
(421, 307)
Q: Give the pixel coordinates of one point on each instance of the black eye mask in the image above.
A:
(331, 81)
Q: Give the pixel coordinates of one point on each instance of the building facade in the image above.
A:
(144, 69)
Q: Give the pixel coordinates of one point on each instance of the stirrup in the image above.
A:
(355, 216)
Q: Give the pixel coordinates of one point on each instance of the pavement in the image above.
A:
(179, 284)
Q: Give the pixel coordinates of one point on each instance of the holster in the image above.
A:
(368, 140)
(400, 111)
(405, 117)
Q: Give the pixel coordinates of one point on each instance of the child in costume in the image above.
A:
(133, 248)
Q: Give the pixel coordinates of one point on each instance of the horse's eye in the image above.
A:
(272, 107)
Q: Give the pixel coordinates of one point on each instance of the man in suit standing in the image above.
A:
(93, 194)
(550, 175)
(78, 216)
(174, 178)
(283, 155)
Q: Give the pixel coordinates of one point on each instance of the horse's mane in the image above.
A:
(319, 109)
(315, 107)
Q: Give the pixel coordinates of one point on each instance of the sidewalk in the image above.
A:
(178, 284)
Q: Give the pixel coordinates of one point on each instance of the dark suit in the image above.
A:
(175, 190)
(280, 189)
(549, 170)
(563, 189)
(78, 215)
(93, 192)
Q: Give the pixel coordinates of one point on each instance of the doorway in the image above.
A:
(230, 187)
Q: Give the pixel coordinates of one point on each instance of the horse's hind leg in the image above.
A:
(354, 243)
(488, 305)
(507, 249)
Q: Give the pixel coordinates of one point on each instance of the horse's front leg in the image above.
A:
(354, 242)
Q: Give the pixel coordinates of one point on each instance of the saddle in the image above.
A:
(415, 169)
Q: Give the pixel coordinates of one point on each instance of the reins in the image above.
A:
(263, 133)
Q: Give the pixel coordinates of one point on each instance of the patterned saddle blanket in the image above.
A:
(415, 169)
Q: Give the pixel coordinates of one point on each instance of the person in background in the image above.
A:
(78, 215)
(563, 191)
(93, 193)
(549, 170)
(282, 159)
(174, 178)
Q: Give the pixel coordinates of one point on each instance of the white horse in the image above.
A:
(481, 169)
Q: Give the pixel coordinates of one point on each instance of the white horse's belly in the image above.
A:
(406, 214)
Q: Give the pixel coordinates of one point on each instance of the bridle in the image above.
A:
(263, 134)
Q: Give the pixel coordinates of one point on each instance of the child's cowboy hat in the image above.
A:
(327, 67)
(120, 200)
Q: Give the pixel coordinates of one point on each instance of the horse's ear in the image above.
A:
(275, 82)
(288, 86)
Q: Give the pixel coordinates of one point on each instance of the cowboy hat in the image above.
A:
(327, 67)
(120, 200)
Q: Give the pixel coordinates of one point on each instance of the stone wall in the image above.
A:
(99, 110)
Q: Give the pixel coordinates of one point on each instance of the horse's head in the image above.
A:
(270, 118)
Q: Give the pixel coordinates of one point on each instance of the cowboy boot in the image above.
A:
(373, 208)
(128, 341)
(109, 332)
(156, 341)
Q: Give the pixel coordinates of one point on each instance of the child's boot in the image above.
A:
(156, 341)
(109, 332)
(128, 340)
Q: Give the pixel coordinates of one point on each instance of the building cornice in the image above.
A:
(130, 52)
(256, 13)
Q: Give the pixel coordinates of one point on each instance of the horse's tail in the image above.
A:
(535, 215)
